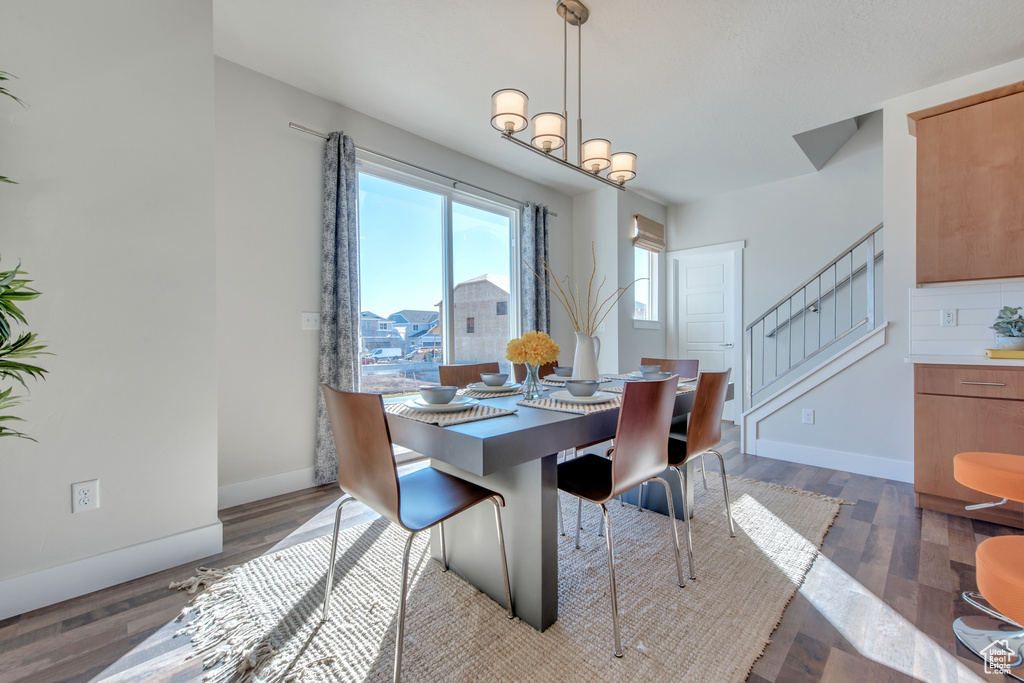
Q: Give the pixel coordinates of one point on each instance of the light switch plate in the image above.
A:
(310, 321)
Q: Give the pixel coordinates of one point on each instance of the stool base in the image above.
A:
(979, 634)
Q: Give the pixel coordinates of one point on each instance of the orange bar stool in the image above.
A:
(998, 636)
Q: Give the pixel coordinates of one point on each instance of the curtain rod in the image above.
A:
(406, 163)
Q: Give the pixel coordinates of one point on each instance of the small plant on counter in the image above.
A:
(1009, 322)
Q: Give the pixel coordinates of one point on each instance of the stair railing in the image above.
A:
(830, 305)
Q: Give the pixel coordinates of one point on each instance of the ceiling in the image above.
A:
(707, 93)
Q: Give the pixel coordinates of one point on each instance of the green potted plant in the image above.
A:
(1009, 327)
(16, 346)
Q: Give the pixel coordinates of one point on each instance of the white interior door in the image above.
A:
(706, 311)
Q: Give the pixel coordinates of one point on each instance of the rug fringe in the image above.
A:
(224, 629)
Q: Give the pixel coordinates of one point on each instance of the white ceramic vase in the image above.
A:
(584, 363)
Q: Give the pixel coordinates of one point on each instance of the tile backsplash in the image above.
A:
(976, 305)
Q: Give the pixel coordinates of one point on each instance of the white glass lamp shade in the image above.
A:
(548, 131)
(597, 155)
(623, 167)
(509, 110)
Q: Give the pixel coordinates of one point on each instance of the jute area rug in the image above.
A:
(259, 621)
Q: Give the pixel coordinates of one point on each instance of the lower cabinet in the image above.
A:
(960, 408)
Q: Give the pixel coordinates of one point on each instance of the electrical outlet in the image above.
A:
(947, 317)
(310, 321)
(807, 416)
(85, 496)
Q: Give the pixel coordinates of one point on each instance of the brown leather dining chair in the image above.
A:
(686, 369)
(462, 375)
(543, 371)
(701, 436)
(640, 454)
(419, 500)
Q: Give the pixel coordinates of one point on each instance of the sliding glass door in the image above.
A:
(436, 280)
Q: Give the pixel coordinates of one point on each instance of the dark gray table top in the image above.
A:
(487, 446)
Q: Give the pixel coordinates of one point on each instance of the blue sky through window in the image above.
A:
(400, 245)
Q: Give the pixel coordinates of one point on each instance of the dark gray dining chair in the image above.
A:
(419, 500)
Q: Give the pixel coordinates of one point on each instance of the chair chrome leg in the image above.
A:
(334, 552)
(703, 471)
(675, 532)
(400, 637)
(686, 521)
(725, 490)
(640, 497)
(509, 612)
(579, 520)
(611, 579)
(561, 521)
(444, 548)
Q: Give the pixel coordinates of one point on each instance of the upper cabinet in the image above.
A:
(970, 187)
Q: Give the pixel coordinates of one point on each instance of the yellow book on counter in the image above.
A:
(1004, 353)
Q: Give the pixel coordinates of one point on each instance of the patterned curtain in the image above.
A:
(339, 293)
(533, 236)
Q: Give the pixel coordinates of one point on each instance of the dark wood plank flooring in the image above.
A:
(877, 609)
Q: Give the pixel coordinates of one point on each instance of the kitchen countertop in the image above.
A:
(963, 360)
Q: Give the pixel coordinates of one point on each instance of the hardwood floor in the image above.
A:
(892, 576)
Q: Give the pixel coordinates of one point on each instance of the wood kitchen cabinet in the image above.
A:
(961, 408)
(970, 187)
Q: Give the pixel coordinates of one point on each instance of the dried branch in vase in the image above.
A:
(587, 316)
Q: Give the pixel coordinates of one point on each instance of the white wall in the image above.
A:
(268, 265)
(113, 219)
(635, 343)
(794, 227)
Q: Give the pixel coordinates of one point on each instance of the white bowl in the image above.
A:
(438, 395)
(582, 387)
(494, 379)
(563, 371)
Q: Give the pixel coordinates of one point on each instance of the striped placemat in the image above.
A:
(477, 412)
(681, 389)
(577, 408)
(561, 382)
(472, 393)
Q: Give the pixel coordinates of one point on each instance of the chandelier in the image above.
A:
(509, 115)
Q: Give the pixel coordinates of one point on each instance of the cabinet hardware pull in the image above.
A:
(986, 384)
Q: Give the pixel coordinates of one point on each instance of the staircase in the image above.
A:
(824, 325)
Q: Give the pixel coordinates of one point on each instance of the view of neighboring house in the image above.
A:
(415, 328)
(377, 332)
(481, 315)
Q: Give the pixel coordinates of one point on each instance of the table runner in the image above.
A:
(477, 412)
(472, 393)
(577, 408)
(681, 389)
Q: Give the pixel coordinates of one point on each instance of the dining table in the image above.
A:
(516, 455)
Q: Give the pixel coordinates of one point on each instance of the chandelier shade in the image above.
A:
(597, 155)
(623, 167)
(548, 131)
(509, 109)
(509, 115)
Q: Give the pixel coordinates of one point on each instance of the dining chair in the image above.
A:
(462, 375)
(543, 371)
(702, 434)
(419, 500)
(686, 369)
(640, 454)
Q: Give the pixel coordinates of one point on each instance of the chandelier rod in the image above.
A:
(525, 145)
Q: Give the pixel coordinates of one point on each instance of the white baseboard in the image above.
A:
(243, 492)
(56, 584)
(857, 463)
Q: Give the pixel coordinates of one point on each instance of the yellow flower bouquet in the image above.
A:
(532, 349)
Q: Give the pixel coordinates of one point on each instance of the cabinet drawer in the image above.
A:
(969, 380)
(947, 425)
